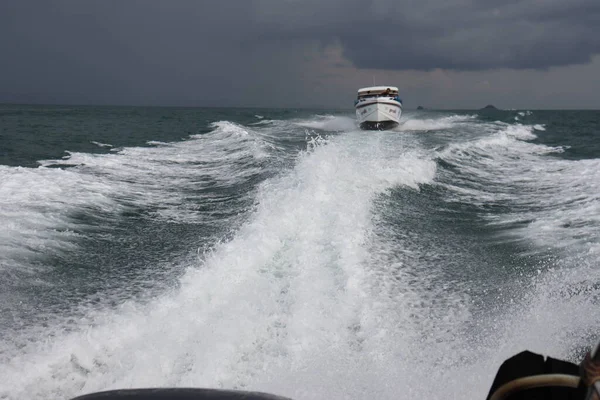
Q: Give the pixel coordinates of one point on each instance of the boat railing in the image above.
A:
(377, 96)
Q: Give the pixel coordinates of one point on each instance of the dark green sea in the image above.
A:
(287, 251)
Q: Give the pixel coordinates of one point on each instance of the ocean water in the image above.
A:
(286, 251)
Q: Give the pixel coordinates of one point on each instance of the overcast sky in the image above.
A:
(300, 53)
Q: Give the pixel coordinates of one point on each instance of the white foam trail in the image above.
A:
(287, 306)
(568, 205)
(308, 301)
(558, 316)
(488, 164)
(330, 123)
(432, 124)
(35, 207)
(555, 200)
(407, 123)
(549, 204)
(157, 177)
(37, 204)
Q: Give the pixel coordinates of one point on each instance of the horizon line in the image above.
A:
(315, 107)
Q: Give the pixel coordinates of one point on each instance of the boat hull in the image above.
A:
(380, 114)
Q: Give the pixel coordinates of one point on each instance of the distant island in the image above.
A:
(489, 107)
(420, 108)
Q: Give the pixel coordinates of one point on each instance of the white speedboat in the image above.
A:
(378, 107)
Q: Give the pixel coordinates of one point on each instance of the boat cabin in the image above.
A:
(377, 91)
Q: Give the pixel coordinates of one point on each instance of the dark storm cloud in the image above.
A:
(147, 51)
(203, 51)
(460, 35)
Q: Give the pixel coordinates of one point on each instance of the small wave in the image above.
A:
(510, 141)
(521, 132)
(227, 127)
(156, 143)
(237, 139)
(263, 122)
(101, 144)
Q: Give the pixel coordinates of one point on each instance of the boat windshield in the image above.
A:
(362, 96)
